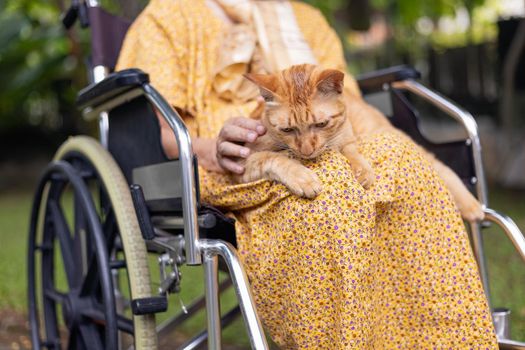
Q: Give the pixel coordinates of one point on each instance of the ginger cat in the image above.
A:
(308, 111)
(304, 114)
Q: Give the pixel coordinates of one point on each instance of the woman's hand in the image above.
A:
(230, 143)
(221, 154)
(206, 151)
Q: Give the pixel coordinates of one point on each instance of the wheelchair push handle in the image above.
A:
(76, 11)
(376, 81)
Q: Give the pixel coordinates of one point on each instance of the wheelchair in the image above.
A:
(127, 202)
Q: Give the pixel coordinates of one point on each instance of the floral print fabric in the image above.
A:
(384, 268)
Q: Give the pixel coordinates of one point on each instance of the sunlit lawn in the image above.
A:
(505, 268)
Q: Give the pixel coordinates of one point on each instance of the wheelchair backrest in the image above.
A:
(457, 155)
(107, 31)
(107, 35)
(133, 135)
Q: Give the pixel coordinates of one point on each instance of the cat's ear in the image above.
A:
(268, 85)
(330, 81)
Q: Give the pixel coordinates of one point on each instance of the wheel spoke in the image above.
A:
(55, 295)
(82, 244)
(91, 336)
(91, 280)
(74, 341)
(51, 344)
(124, 324)
(66, 244)
(109, 229)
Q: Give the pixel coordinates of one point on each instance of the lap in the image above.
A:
(352, 263)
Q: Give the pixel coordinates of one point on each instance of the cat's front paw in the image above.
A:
(361, 168)
(470, 208)
(364, 174)
(304, 183)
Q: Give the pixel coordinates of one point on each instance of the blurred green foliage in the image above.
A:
(401, 13)
(407, 12)
(328, 7)
(37, 66)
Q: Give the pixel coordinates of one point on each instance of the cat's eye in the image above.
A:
(321, 124)
(287, 130)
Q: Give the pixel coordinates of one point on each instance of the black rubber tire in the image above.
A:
(79, 162)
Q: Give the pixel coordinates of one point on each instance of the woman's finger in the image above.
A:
(235, 133)
(231, 165)
(249, 124)
(229, 149)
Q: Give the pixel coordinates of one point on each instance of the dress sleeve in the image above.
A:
(158, 49)
(324, 42)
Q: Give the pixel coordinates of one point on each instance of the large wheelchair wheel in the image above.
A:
(84, 225)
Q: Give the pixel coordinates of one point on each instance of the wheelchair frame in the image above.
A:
(197, 251)
(99, 99)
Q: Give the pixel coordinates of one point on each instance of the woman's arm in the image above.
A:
(205, 149)
(219, 154)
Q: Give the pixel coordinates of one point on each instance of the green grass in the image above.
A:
(14, 221)
(505, 267)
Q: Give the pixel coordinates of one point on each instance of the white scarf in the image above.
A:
(265, 38)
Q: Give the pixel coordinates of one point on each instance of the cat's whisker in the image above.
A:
(282, 146)
(335, 141)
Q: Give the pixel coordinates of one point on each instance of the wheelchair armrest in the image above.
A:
(374, 81)
(510, 228)
(113, 85)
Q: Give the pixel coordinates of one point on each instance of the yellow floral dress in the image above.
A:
(384, 268)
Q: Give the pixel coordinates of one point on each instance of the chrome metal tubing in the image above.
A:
(225, 250)
(479, 254)
(463, 117)
(195, 342)
(501, 318)
(92, 3)
(103, 129)
(98, 73)
(189, 196)
(199, 339)
(507, 344)
(516, 236)
(213, 309)
(171, 324)
(509, 227)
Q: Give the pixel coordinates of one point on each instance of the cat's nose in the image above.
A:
(307, 150)
(307, 153)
